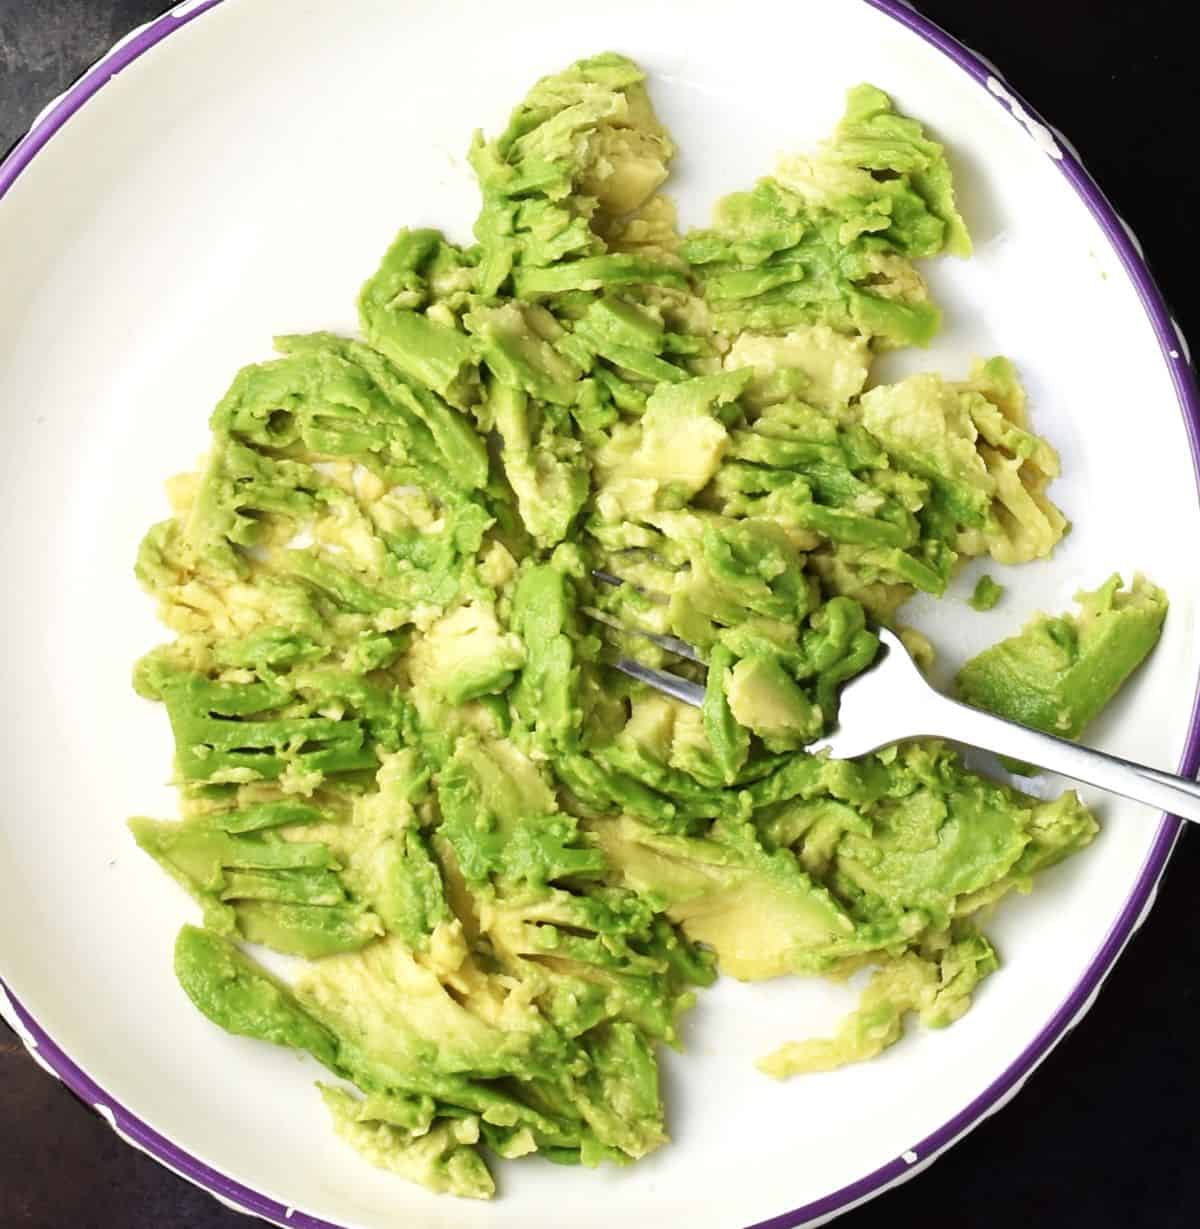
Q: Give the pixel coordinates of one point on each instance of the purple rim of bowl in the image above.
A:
(1005, 1086)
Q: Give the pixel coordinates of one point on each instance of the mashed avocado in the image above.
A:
(402, 754)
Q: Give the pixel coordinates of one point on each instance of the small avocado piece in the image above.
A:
(1057, 829)
(597, 273)
(466, 654)
(397, 1017)
(813, 362)
(280, 893)
(872, 137)
(442, 1158)
(241, 997)
(924, 423)
(231, 731)
(764, 698)
(486, 790)
(970, 441)
(760, 913)
(729, 738)
(425, 349)
(546, 696)
(390, 864)
(629, 338)
(517, 342)
(622, 323)
(546, 468)
(263, 815)
(1058, 673)
(306, 930)
(986, 593)
(676, 448)
(830, 238)
(583, 147)
(336, 397)
(619, 1096)
(739, 570)
(463, 452)
(939, 989)
(935, 844)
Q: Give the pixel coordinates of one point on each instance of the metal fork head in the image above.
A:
(890, 701)
(882, 705)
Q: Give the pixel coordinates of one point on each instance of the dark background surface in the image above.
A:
(1105, 1133)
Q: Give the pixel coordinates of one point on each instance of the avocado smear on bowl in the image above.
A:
(502, 868)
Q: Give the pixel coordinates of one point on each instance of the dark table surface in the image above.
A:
(1105, 1132)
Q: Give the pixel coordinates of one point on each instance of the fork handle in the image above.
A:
(1163, 790)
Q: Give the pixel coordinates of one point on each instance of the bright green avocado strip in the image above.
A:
(502, 870)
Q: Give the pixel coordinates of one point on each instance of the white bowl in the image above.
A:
(240, 178)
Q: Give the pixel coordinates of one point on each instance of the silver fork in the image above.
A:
(891, 701)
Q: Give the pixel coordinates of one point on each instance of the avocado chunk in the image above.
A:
(757, 911)
(939, 988)
(970, 440)
(283, 894)
(546, 698)
(764, 699)
(466, 654)
(811, 362)
(543, 463)
(234, 992)
(419, 272)
(829, 240)
(727, 733)
(675, 450)
(583, 146)
(1059, 672)
(986, 593)
(441, 1158)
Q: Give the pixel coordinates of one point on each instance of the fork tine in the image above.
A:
(672, 644)
(661, 680)
(616, 582)
(669, 684)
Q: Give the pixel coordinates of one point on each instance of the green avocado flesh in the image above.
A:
(403, 756)
(986, 594)
(1058, 673)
